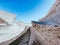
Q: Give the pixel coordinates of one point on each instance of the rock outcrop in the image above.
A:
(10, 30)
(53, 16)
(46, 35)
(47, 30)
(23, 40)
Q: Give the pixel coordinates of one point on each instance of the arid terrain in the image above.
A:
(46, 31)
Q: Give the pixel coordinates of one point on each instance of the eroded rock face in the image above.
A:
(53, 16)
(23, 40)
(46, 35)
(2, 22)
(47, 30)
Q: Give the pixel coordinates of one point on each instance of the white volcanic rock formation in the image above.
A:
(10, 30)
(8, 17)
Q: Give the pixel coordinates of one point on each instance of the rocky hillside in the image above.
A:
(46, 35)
(53, 16)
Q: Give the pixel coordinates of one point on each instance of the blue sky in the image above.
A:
(27, 10)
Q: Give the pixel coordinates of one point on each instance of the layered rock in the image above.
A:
(46, 35)
(47, 30)
(8, 17)
(10, 30)
(53, 16)
(23, 40)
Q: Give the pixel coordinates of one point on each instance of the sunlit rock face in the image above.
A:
(47, 30)
(10, 30)
(2, 22)
(53, 16)
(7, 17)
(45, 34)
(24, 39)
